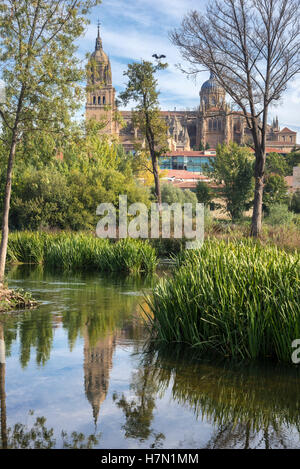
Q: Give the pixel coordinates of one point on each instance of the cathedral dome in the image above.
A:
(211, 85)
(100, 56)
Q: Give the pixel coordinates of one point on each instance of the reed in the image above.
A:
(81, 252)
(239, 299)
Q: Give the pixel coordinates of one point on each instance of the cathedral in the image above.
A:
(212, 123)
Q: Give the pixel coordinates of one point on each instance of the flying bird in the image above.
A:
(158, 56)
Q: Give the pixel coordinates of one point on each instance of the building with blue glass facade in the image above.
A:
(194, 161)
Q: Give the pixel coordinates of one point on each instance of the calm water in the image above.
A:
(76, 374)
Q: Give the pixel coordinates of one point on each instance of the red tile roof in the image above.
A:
(182, 174)
(271, 150)
(191, 153)
(287, 131)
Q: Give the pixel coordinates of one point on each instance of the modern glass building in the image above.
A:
(188, 161)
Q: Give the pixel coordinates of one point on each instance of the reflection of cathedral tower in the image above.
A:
(101, 102)
(97, 366)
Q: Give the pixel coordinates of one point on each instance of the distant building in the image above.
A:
(293, 182)
(212, 123)
(101, 95)
(193, 161)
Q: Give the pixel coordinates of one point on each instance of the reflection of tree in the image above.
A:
(35, 330)
(139, 410)
(2, 389)
(98, 308)
(243, 437)
(250, 405)
(40, 437)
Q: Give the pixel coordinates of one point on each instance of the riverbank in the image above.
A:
(13, 299)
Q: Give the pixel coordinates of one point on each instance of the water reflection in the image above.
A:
(138, 411)
(99, 318)
(2, 388)
(249, 405)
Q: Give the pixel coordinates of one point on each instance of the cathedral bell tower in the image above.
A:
(101, 95)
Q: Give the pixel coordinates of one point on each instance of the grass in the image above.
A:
(237, 298)
(81, 252)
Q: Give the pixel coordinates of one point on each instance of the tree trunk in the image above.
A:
(259, 174)
(256, 225)
(156, 180)
(6, 207)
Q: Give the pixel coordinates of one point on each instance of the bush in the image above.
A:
(171, 194)
(204, 193)
(295, 202)
(279, 215)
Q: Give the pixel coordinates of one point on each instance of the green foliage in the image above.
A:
(276, 164)
(171, 194)
(279, 215)
(49, 193)
(80, 252)
(238, 299)
(142, 89)
(204, 193)
(233, 167)
(293, 160)
(40, 68)
(275, 191)
(295, 202)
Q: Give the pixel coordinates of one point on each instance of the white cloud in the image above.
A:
(135, 30)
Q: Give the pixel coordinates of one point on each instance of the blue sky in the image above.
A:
(136, 29)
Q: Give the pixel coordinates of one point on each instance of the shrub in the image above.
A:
(279, 215)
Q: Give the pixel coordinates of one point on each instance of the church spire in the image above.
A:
(98, 40)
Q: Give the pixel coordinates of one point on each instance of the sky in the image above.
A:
(135, 29)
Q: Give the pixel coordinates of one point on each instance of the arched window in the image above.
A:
(99, 99)
(219, 124)
(210, 124)
(103, 99)
(215, 124)
(94, 100)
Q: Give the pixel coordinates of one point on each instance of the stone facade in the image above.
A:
(101, 95)
(212, 123)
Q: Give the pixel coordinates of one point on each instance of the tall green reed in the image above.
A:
(70, 251)
(239, 299)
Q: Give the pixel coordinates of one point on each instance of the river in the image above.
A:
(77, 372)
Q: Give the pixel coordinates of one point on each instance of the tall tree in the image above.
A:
(41, 73)
(233, 168)
(253, 48)
(142, 88)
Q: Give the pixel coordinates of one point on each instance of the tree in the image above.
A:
(275, 191)
(42, 75)
(295, 202)
(52, 193)
(293, 160)
(142, 88)
(276, 164)
(253, 48)
(233, 168)
(204, 193)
